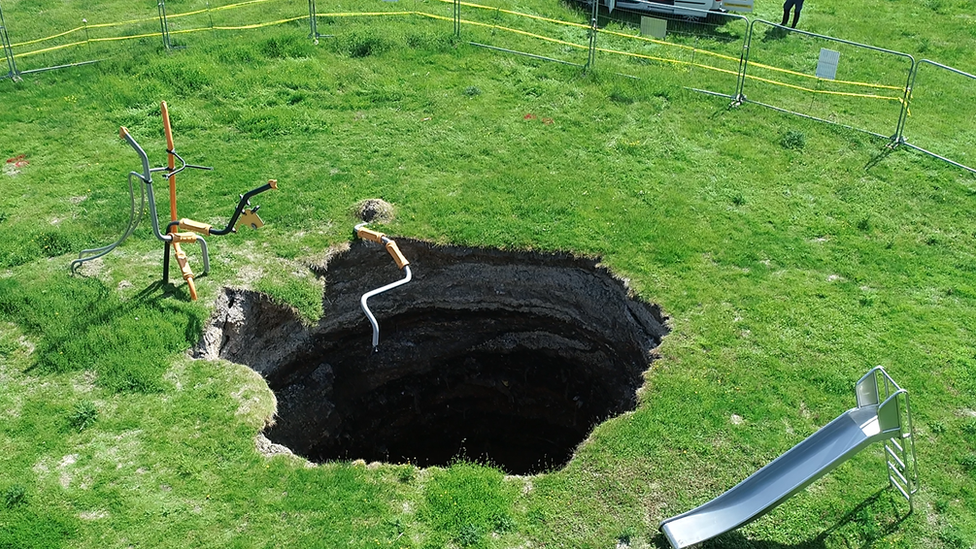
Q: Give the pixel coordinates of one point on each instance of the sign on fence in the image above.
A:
(827, 65)
(652, 26)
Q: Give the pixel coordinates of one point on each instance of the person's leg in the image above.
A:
(796, 13)
(786, 10)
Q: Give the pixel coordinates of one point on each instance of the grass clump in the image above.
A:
(83, 415)
(793, 140)
(14, 495)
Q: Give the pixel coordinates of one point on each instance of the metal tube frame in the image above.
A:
(527, 54)
(8, 51)
(457, 18)
(893, 139)
(313, 31)
(163, 24)
(147, 195)
(371, 293)
(95, 253)
(313, 24)
(704, 14)
(901, 136)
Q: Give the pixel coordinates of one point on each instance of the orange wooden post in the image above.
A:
(171, 163)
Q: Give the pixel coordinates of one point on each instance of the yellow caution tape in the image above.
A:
(663, 43)
(243, 27)
(45, 39)
(827, 92)
(45, 50)
(218, 8)
(520, 14)
(667, 60)
(514, 31)
(850, 83)
(368, 14)
(144, 20)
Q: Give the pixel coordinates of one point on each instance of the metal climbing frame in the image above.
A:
(242, 215)
(8, 52)
(146, 192)
(876, 388)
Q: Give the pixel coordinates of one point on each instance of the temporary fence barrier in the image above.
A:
(857, 86)
(201, 16)
(8, 53)
(36, 52)
(950, 89)
(500, 27)
(705, 47)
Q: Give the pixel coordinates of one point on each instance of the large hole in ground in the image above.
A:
(487, 355)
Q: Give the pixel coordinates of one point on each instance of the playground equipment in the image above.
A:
(172, 238)
(882, 414)
(401, 262)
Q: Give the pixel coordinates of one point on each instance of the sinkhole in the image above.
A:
(505, 357)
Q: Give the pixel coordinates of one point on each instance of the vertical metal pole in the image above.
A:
(743, 59)
(8, 52)
(591, 54)
(87, 36)
(740, 96)
(312, 24)
(899, 136)
(457, 18)
(210, 16)
(163, 23)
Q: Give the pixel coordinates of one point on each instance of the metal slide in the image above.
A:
(838, 441)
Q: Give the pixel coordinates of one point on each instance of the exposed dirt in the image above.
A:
(507, 356)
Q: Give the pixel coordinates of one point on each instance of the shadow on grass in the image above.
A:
(856, 516)
(878, 158)
(774, 33)
(79, 324)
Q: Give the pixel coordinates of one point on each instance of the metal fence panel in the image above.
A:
(867, 93)
(502, 25)
(702, 48)
(363, 27)
(75, 33)
(938, 89)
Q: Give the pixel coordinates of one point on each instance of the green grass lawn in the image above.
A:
(791, 256)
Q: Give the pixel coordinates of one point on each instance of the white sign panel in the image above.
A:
(610, 5)
(827, 66)
(654, 27)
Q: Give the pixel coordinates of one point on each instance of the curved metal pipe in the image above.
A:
(243, 203)
(401, 262)
(133, 223)
(206, 255)
(153, 217)
(369, 294)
